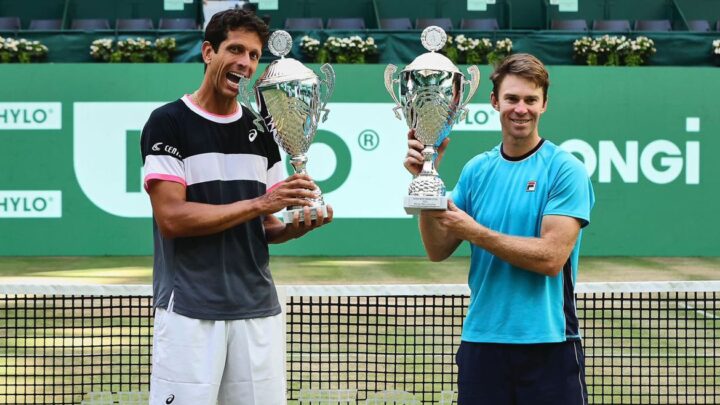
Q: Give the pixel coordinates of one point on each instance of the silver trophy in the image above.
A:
(430, 89)
(291, 103)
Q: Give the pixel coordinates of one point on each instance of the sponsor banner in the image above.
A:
(646, 137)
(480, 117)
(357, 162)
(14, 116)
(30, 204)
(104, 144)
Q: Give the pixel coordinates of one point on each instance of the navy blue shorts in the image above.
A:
(520, 374)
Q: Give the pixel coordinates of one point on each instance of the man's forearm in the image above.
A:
(438, 243)
(196, 219)
(544, 255)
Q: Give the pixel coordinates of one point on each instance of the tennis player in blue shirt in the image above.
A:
(522, 207)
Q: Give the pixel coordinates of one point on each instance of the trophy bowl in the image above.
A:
(430, 91)
(291, 101)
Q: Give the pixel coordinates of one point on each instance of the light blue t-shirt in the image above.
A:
(511, 196)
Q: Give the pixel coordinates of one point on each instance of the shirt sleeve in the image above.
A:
(572, 193)
(161, 151)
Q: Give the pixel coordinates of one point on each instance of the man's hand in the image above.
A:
(295, 190)
(309, 224)
(278, 232)
(414, 158)
(455, 221)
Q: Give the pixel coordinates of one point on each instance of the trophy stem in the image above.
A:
(428, 168)
(298, 163)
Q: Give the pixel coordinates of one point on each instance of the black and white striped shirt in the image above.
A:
(220, 160)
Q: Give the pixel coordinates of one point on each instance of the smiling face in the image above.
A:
(237, 56)
(520, 103)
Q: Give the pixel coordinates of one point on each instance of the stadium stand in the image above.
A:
(537, 23)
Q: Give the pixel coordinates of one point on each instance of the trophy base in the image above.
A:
(416, 203)
(290, 213)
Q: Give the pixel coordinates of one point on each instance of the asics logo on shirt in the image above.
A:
(253, 135)
(170, 399)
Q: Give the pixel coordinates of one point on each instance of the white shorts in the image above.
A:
(202, 362)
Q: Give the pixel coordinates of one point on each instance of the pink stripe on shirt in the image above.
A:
(165, 177)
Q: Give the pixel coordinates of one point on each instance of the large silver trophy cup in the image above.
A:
(430, 88)
(291, 103)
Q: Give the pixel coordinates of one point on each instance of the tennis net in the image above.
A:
(645, 343)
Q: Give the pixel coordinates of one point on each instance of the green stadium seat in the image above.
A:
(611, 25)
(40, 25)
(303, 23)
(479, 24)
(134, 24)
(9, 23)
(395, 24)
(177, 24)
(346, 24)
(653, 25)
(699, 26)
(444, 23)
(90, 24)
(569, 25)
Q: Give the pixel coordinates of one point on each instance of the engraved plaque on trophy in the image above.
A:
(430, 91)
(291, 101)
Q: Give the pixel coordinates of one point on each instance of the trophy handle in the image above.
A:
(329, 81)
(244, 95)
(474, 83)
(389, 81)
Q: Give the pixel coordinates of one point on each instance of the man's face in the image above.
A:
(238, 55)
(520, 104)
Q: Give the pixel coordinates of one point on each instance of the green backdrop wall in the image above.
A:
(70, 178)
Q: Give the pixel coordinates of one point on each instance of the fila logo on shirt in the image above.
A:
(530, 188)
(253, 134)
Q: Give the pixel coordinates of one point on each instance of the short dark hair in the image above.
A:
(233, 19)
(525, 66)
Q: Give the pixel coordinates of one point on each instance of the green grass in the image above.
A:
(349, 270)
(357, 270)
